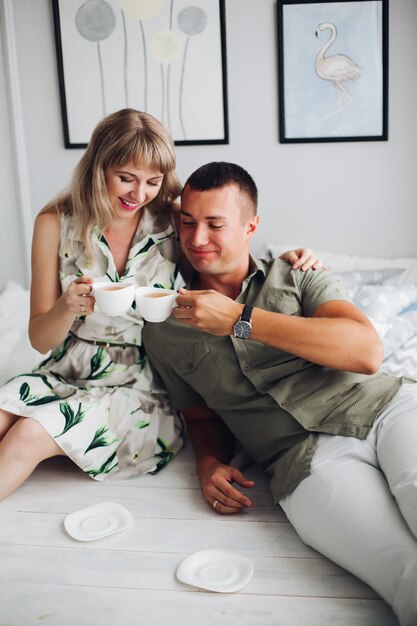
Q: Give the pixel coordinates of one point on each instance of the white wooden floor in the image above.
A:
(47, 578)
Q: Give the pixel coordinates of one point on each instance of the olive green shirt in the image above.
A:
(274, 403)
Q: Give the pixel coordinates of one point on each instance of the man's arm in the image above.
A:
(338, 335)
(213, 445)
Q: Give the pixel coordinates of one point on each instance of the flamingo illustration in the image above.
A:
(337, 68)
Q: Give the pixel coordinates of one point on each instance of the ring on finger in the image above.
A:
(215, 503)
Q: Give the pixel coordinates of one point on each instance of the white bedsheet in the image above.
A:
(16, 353)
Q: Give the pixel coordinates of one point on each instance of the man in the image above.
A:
(282, 361)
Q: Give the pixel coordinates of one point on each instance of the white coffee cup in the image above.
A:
(113, 298)
(155, 304)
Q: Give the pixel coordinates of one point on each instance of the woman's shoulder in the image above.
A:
(48, 220)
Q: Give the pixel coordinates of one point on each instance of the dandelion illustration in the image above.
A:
(191, 21)
(165, 48)
(141, 10)
(95, 21)
(125, 59)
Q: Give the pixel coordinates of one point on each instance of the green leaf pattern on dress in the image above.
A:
(30, 399)
(71, 419)
(99, 439)
(106, 468)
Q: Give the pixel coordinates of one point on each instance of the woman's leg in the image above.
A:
(346, 511)
(6, 421)
(22, 448)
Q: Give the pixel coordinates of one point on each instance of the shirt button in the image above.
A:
(285, 403)
(264, 387)
(246, 367)
(189, 366)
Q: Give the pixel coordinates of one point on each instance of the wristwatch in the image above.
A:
(243, 327)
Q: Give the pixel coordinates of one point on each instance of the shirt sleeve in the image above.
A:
(318, 287)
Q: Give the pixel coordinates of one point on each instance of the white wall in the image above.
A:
(12, 256)
(357, 197)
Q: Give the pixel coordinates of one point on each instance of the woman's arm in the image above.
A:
(51, 312)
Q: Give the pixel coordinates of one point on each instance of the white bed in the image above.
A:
(47, 577)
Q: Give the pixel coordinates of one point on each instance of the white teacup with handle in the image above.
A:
(113, 298)
(155, 304)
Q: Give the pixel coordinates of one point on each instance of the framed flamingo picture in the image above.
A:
(166, 57)
(333, 70)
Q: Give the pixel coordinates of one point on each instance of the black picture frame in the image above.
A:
(342, 96)
(172, 65)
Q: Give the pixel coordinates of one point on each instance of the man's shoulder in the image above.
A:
(272, 267)
(280, 274)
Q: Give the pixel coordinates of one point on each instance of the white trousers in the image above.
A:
(358, 507)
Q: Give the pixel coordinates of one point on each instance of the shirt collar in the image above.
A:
(257, 267)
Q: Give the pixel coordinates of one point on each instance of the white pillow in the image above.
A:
(16, 354)
(340, 262)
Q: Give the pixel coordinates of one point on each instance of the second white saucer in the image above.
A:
(216, 570)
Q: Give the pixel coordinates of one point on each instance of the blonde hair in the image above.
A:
(120, 138)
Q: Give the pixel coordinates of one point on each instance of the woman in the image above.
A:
(93, 398)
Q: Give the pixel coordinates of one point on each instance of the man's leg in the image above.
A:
(346, 511)
(396, 443)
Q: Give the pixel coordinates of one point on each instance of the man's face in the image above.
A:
(214, 231)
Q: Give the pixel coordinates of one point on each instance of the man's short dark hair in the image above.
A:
(220, 174)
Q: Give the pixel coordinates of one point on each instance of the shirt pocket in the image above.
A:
(197, 367)
(283, 302)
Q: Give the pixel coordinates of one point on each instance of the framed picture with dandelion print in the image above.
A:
(165, 57)
(333, 70)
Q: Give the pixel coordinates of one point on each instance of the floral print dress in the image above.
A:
(101, 404)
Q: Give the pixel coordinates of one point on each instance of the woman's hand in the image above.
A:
(216, 480)
(303, 258)
(77, 297)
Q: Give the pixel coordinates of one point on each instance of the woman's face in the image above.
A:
(130, 188)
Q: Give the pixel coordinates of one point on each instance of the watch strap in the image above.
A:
(246, 313)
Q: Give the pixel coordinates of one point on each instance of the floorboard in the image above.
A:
(46, 577)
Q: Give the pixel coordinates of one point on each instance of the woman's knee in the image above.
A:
(28, 437)
(6, 421)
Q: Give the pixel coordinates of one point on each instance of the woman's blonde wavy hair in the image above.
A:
(120, 138)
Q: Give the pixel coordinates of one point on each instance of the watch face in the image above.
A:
(242, 329)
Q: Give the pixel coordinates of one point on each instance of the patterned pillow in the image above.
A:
(412, 307)
(383, 302)
(403, 362)
(368, 277)
(395, 333)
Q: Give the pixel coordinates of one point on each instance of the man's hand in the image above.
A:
(207, 310)
(216, 480)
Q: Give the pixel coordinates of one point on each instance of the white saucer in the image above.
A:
(98, 520)
(216, 570)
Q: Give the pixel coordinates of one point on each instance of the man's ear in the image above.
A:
(252, 225)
